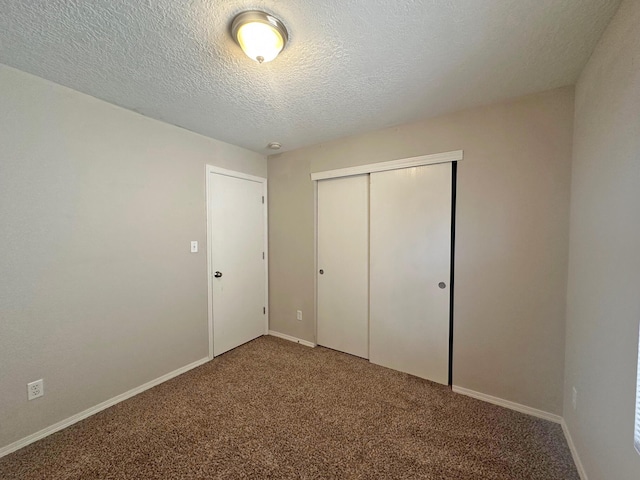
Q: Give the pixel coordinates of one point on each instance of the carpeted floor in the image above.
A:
(272, 409)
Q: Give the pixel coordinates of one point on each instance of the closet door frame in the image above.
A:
(445, 157)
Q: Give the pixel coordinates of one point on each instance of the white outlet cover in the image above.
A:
(194, 246)
(35, 389)
(299, 314)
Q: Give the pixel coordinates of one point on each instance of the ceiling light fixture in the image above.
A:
(260, 35)
(275, 146)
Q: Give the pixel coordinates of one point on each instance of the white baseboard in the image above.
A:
(574, 451)
(508, 404)
(292, 339)
(56, 427)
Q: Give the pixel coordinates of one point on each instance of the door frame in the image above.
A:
(445, 157)
(209, 169)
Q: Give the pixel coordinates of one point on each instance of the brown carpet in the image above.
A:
(272, 409)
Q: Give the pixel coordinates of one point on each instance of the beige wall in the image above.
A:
(98, 291)
(512, 237)
(603, 300)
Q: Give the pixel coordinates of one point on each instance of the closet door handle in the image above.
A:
(217, 274)
(321, 272)
(442, 285)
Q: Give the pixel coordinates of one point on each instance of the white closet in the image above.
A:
(384, 259)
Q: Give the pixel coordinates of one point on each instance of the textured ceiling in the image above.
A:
(350, 66)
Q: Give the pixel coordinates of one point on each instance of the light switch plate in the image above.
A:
(194, 246)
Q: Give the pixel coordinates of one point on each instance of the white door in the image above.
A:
(410, 270)
(237, 222)
(343, 264)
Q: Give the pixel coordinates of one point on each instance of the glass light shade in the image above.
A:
(260, 35)
(261, 42)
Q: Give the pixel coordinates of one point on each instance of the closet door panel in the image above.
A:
(410, 245)
(343, 259)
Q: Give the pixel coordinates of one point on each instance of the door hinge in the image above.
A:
(263, 255)
(264, 310)
(263, 199)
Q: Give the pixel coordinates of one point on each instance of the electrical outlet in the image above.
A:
(194, 246)
(35, 389)
(574, 398)
(299, 315)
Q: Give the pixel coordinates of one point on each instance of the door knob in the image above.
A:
(321, 272)
(442, 285)
(217, 274)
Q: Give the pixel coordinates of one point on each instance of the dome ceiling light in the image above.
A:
(260, 35)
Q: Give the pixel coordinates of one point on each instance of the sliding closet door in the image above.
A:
(410, 270)
(343, 264)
